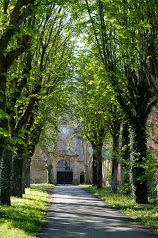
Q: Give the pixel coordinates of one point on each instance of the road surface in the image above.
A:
(74, 213)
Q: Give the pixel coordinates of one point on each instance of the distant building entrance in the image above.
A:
(82, 178)
(65, 177)
(64, 172)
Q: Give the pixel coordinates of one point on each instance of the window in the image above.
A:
(65, 165)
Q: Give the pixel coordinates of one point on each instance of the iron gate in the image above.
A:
(64, 177)
(64, 172)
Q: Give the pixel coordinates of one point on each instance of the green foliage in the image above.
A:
(150, 165)
(92, 94)
(36, 80)
(4, 133)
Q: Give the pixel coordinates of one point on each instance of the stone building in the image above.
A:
(65, 165)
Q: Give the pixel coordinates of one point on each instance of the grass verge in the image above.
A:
(25, 217)
(145, 214)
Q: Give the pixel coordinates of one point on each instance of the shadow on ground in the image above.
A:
(75, 213)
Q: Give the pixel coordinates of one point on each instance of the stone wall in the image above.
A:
(38, 171)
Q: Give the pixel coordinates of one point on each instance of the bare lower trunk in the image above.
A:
(125, 165)
(97, 164)
(87, 177)
(99, 167)
(115, 155)
(94, 168)
(27, 173)
(114, 175)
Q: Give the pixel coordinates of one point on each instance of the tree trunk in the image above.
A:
(114, 174)
(17, 177)
(115, 153)
(24, 172)
(99, 166)
(27, 173)
(87, 176)
(139, 154)
(6, 165)
(125, 166)
(94, 168)
(49, 174)
(86, 162)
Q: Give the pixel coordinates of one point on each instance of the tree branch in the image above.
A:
(16, 20)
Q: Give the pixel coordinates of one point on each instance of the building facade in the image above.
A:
(65, 165)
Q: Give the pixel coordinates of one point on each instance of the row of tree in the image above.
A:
(34, 57)
(110, 81)
(118, 81)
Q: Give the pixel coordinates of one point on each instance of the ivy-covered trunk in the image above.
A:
(17, 172)
(6, 166)
(139, 149)
(17, 177)
(49, 173)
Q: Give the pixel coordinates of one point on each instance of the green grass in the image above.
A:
(145, 214)
(25, 217)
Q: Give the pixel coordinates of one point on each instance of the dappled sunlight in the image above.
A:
(76, 213)
(26, 216)
(7, 231)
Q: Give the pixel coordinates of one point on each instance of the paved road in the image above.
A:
(74, 213)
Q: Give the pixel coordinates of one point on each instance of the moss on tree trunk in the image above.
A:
(17, 177)
(139, 150)
(6, 166)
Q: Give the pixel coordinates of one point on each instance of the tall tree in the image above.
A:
(120, 32)
(24, 91)
(115, 124)
(46, 75)
(18, 12)
(93, 98)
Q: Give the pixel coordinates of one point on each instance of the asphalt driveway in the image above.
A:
(75, 213)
